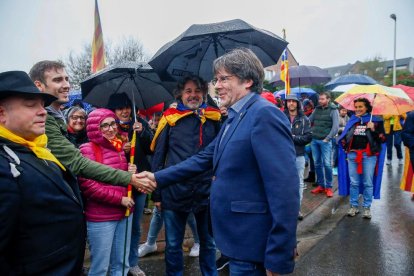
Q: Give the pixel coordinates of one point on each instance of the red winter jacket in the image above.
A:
(103, 201)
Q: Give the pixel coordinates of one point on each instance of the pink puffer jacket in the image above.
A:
(103, 201)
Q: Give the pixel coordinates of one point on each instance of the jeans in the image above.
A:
(309, 157)
(366, 179)
(300, 167)
(106, 244)
(335, 153)
(394, 138)
(174, 234)
(157, 222)
(322, 156)
(244, 268)
(136, 228)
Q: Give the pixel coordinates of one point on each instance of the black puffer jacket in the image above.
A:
(301, 130)
(175, 144)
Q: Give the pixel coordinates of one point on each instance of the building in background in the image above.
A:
(383, 68)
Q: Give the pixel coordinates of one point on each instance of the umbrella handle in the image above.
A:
(375, 95)
(134, 108)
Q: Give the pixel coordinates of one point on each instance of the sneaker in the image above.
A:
(400, 162)
(353, 211)
(145, 249)
(222, 262)
(328, 192)
(305, 186)
(147, 211)
(136, 271)
(300, 216)
(367, 213)
(335, 171)
(318, 190)
(388, 162)
(195, 250)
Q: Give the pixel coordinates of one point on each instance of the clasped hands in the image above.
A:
(144, 182)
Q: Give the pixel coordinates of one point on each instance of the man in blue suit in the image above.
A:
(254, 199)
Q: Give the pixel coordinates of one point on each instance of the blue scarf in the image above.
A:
(343, 173)
(199, 112)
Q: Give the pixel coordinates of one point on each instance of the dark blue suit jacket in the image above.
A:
(255, 190)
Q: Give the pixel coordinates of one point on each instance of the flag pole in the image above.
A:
(284, 68)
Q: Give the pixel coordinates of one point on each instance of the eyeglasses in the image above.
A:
(78, 117)
(106, 126)
(222, 79)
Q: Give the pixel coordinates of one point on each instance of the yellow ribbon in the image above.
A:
(37, 146)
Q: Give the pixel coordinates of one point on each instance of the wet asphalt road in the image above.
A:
(383, 245)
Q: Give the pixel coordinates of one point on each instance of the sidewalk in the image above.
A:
(315, 209)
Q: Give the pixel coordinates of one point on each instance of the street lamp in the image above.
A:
(394, 66)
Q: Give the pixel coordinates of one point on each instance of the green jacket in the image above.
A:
(71, 157)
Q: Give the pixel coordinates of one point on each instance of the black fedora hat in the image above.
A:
(13, 83)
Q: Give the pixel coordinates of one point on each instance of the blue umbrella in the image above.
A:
(303, 75)
(295, 91)
(349, 79)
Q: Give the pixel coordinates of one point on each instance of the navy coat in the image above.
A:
(254, 200)
(175, 144)
(407, 133)
(42, 226)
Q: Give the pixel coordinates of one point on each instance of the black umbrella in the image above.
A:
(349, 79)
(303, 75)
(137, 79)
(194, 51)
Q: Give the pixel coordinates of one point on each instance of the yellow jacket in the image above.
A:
(397, 125)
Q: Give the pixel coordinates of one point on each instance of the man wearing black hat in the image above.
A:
(42, 226)
(50, 77)
(302, 135)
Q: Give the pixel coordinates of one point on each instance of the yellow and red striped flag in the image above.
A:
(407, 181)
(98, 50)
(284, 71)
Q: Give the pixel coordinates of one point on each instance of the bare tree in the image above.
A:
(79, 64)
(129, 49)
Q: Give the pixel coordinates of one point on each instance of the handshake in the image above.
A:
(144, 182)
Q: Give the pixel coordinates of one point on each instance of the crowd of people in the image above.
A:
(64, 173)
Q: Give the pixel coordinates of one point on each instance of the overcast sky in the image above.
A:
(324, 33)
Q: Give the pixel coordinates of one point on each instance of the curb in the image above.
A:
(325, 210)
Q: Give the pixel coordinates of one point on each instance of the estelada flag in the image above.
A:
(407, 180)
(284, 71)
(98, 50)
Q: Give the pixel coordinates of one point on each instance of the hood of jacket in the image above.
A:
(93, 124)
(300, 110)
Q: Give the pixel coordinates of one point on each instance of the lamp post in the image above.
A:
(394, 66)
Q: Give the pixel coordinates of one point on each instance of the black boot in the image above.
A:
(310, 178)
